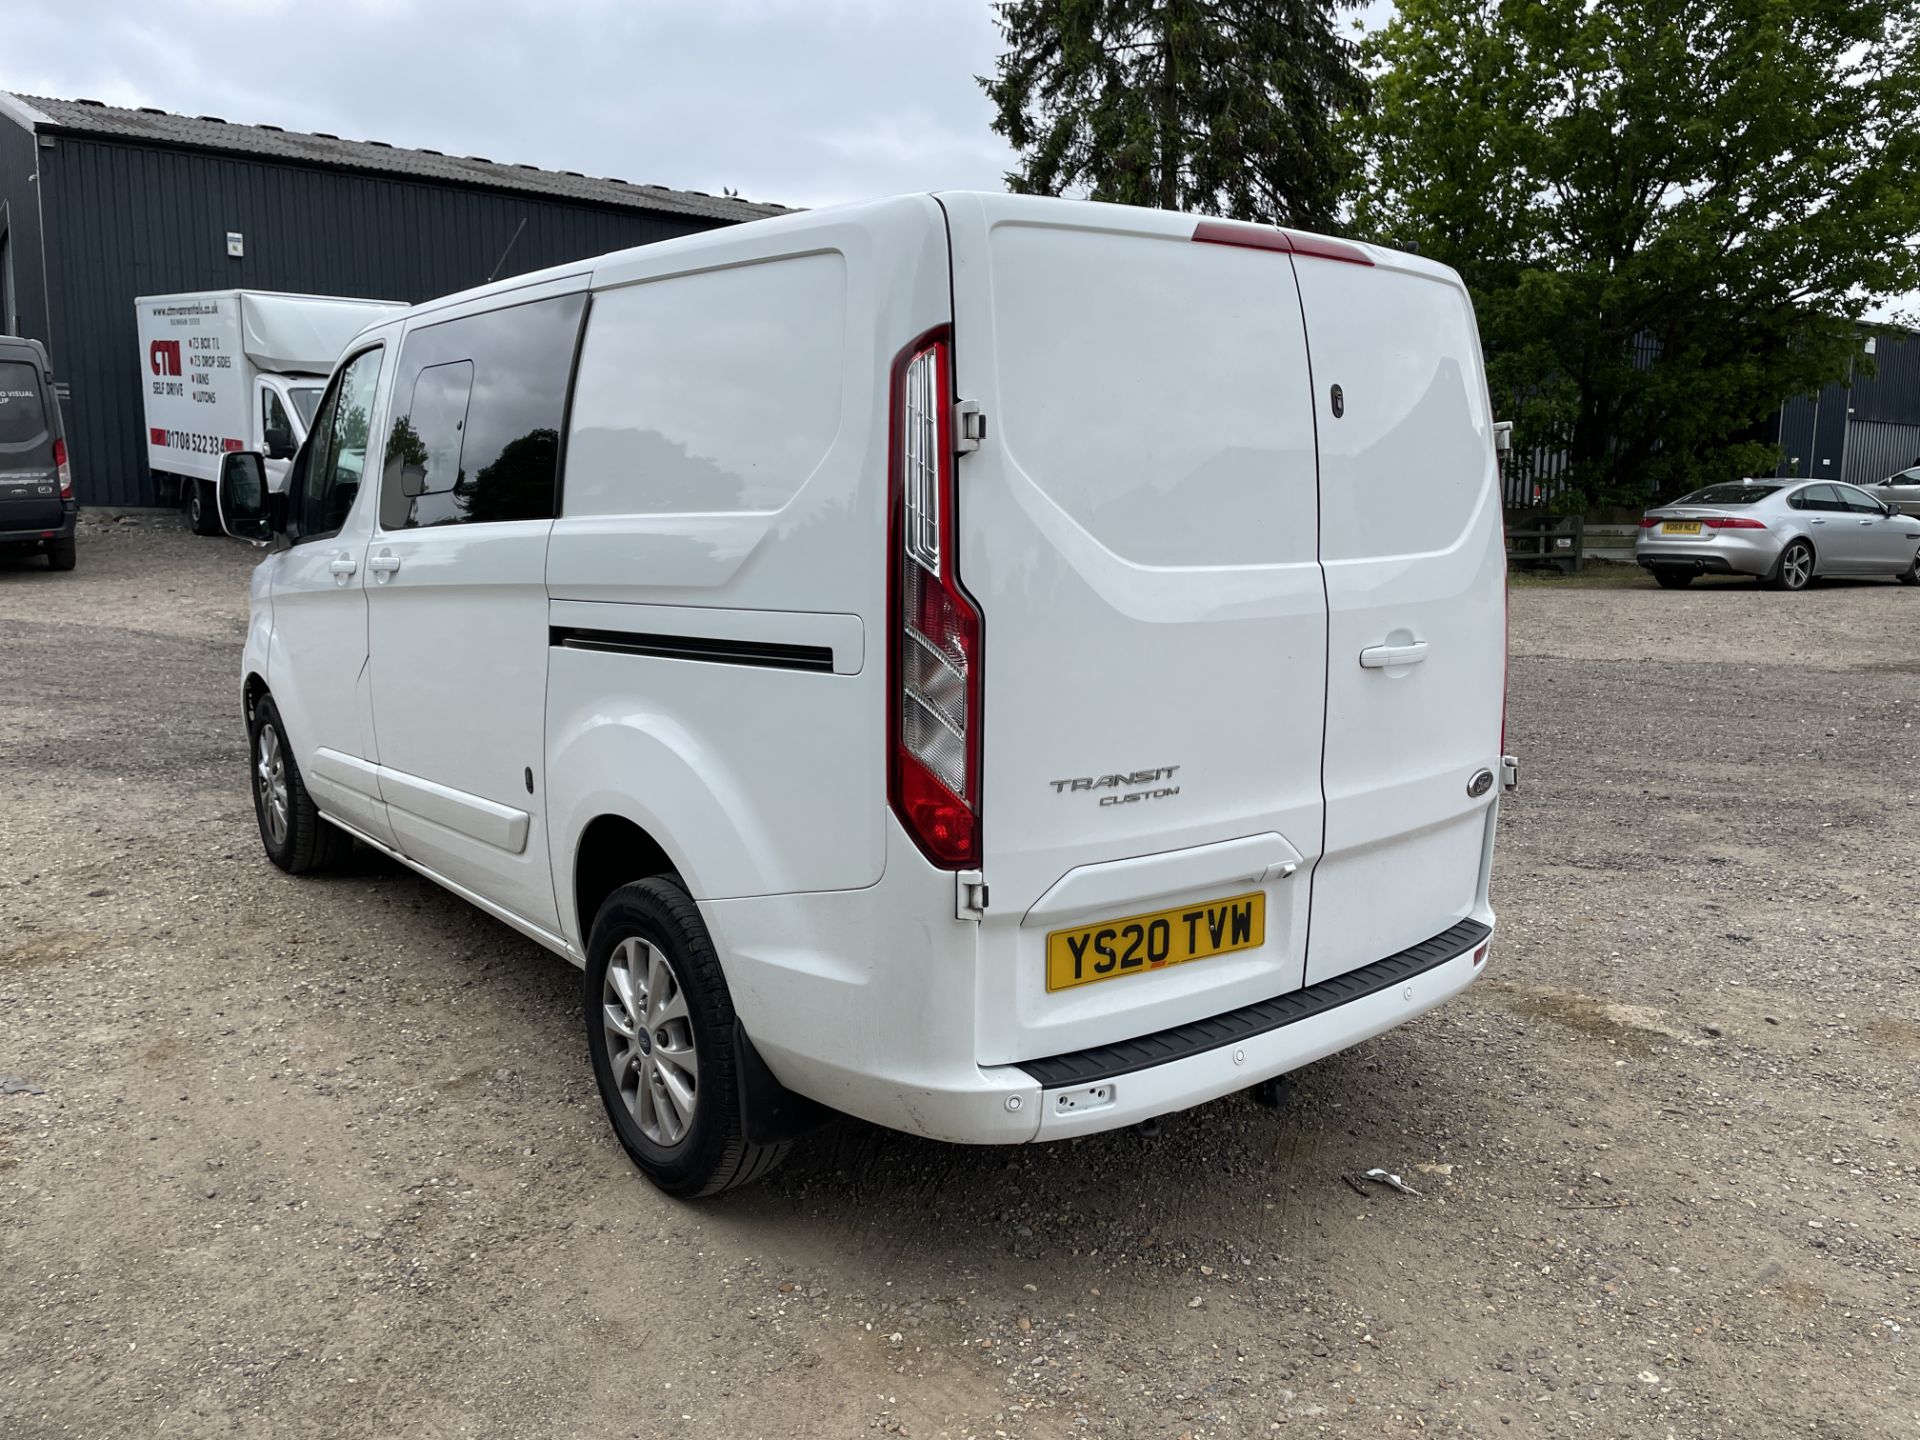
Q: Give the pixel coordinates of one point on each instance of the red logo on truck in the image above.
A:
(164, 357)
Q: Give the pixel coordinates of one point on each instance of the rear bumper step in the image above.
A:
(1183, 1042)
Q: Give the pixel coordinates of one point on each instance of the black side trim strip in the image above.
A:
(767, 653)
(1181, 1042)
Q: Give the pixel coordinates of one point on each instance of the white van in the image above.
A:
(1004, 668)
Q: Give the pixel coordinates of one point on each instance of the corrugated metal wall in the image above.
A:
(1879, 448)
(125, 220)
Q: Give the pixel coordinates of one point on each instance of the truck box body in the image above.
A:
(215, 363)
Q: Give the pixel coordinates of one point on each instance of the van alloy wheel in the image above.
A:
(650, 1041)
(270, 774)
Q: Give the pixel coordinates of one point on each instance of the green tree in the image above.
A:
(1671, 214)
(1229, 107)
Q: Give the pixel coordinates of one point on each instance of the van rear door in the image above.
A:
(1410, 539)
(29, 471)
(1139, 530)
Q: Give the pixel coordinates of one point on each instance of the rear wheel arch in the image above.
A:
(613, 851)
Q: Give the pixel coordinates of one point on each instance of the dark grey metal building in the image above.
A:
(100, 204)
(1861, 429)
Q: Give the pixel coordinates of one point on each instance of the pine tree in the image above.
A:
(1227, 107)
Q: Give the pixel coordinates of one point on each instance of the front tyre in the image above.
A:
(1910, 575)
(1794, 570)
(296, 838)
(660, 1036)
(203, 518)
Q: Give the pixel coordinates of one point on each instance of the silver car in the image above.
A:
(1783, 531)
(1902, 490)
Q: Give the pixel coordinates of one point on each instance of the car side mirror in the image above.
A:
(242, 497)
(280, 444)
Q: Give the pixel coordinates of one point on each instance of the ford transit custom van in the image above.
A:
(1004, 668)
(38, 511)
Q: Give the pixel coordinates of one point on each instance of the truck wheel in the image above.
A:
(296, 838)
(203, 514)
(660, 1036)
(62, 554)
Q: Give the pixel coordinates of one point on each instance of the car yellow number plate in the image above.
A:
(1154, 941)
(1680, 527)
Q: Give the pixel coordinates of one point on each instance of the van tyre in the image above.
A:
(296, 838)
(660, 1030)
(203, 515)
(1671, 579)
(62, 554)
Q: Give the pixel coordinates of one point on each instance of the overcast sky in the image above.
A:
(805, 102)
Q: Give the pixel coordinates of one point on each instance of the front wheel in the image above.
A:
(660, 1037)
(203, 517)
(1671, 579)
(1910, 575)
(1794, 571)
(295, 836)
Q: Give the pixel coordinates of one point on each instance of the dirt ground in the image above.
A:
(323, 1158)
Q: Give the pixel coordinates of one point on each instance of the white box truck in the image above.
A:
(236, 370)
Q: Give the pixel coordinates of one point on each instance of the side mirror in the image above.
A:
(242, 497)
(280, 444)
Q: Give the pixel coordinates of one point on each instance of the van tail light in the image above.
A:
(1733, 522)
(1647, 522)
(66, 470)
(934, 656)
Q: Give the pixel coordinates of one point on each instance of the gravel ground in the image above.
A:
(323, 1158)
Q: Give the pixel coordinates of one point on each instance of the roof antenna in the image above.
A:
(508, 251)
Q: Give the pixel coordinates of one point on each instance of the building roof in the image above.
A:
(210, 132)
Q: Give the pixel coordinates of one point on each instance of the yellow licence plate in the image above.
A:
(1154, 941)
(1680, 527)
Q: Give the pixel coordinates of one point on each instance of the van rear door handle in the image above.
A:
(1386, 657)
(386, 562)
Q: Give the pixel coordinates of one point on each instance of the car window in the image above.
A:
(333, 470)
(23, 416)
(273, 415)
(1821, 498)
(1858, 501)
(306, 399)
(486, 398)
(1728, 495)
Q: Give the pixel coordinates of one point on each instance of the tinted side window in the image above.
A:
(339, 449)
(1820, 498)
(1858, 501)
(485, 398)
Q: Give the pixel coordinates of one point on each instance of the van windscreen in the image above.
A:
(23, 417)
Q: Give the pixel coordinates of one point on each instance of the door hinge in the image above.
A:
(1509, 772)
(969, 426)
(969, 895)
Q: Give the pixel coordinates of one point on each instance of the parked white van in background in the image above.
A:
(1004, 668)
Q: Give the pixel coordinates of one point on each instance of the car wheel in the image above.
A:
(660, 1036)
(1910, 575)
(62, 554)
(1794, 569)
(296, 837)
(203, 518)
(1671, 579)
